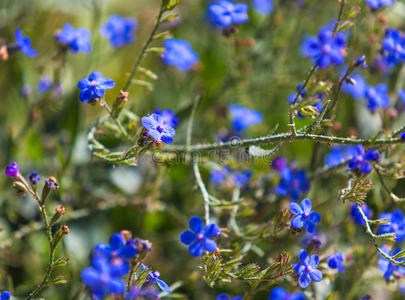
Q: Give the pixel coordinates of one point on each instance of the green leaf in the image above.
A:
(147, 73)
(158, 50)
(400, 254)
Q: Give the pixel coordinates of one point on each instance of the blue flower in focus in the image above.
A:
(34, 179)
(24, 44)
(393, 46)
(336, 262)
(168, 116)
(153, 277)
(377, 97)
(358, 89)
(396, 224)
(157, 129)
(293, 183)
(388, 267)
(118, 247)
(263, 7)
(376, 4)
(224, 13)
(94, 86)
(243, 117)
(44, 85)
(179, 53)
(76, 39)
(198, 239)
(279, 293)
(5, 295)
(325, 49)
(361, 161)
(226, 297)
(119, 31)
(307, 270)
(304, 215)
(356, 216)
(339, 154)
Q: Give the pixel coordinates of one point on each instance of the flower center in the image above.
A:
(200, 236)
(93, 84)
(159, 128)
(326, 49)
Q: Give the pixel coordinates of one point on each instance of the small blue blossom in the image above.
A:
(34, 178)
(356, 216)
(168, 116)
(94, 87)
(279, 293)
(361, 161)
(358, 89)
(76, 39)
(304, 215)
(241, 178)
(157, 129)
(13, 170)
(326, 48)
(377, 97)
(376, 4)
(396, 224)
(279, 163)
(224, 13)
(179, 53)
(293, 183)
(198, 239)
(360, 62)
(44, 85)
(5, 295)
(26, 91)
(144, 293)
(339, 154)
(153, 277)
(388, 267)
(24, 44)
(243, 117)
(316, 240)
(393, 46)
(226, 297)
(263, 7)
(336, 262)
(218, 176)
(119, 31)
(307, 270)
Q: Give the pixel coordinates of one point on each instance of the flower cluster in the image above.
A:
(377, 97)
(236, 178)
(75, 39)
(225, 13)
(393, 47)
(179, 53)
(243, 117)
(305, 217)
(361, 160)
(119, 31)
(339, 154)
(157, 129)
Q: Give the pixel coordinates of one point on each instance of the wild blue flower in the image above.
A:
(292, 97)
(198, 239)
(5, 295)
(279, 293)
(44, 85)
(26, 91)
(279, 163)
(218, 176)
(339, 154)
(76, 39)
(293, 183)
(304, 215)
(179, 53)
(144, 293)
(119, 31)
(226, 297)
(393, 46)
(241, 178)
(34, 178)
(326, 48)
(168, 116)
(356, 216)
(358, 89)
(361, 160)
(307, 270)
(316, 240)
(376, 4)
(13, 170)
(263, 7)
(336, 262)
(388, 267)
(118, 247)
(243, 117)
(224, 13)
(24, 44)
(396, 224)
(94, 87)
(157, 129)
(377, 97)
(360, 62)
(153, 277)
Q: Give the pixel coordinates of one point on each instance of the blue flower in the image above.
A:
(198, 239)
(168, 116)
(34, 178)
(44, 85)
(237, 178)
(243, 117)
(226, 297)
(356, 216)
(263, 7)
(153, 277)
(218, 176)
(144, 293)
(402, 135)
(316, 240)
(157, 129)
(360, 62)
(179, 53)
(376, 4)
(396, 224)
(377, 96)
(120, 31)
(361, 160)
(224, 13)
(293, 183)
(279, 293)
(118, 247)
(304, 215)
(326, 48)
(307, 271)
(24, 44)
(336, 262)
(279, 163)
(388, 267)
(76, 39)
(393, 46)
(358, 89)
(5, 295)
(339, 154)
(94, 87)
(241, 178)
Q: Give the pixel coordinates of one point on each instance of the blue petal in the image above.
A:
(278, 293)
(314, 261)
(106, 83)
(304, 280)
(187, 237)
(196, 224)
(83, 84)
(306, 205)
(117, 241)
(196, 249)
(85, 95)
(304, 257)
(297, 222)
(210, 245)
(166, 138)
(163, 285)
(314, 217)
(295, 208)
(149, 123)
(211, 230)
(315, 275)
(96, 76)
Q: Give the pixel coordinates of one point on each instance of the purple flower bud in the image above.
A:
(34, 178)
(279, 163)
(13, 170)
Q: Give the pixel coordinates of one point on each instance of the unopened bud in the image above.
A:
(20, 188)
(63, 230)
(59, 211)
(3, 53)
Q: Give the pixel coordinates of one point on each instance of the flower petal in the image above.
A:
(211, 230)
(295, 208)
(304, 257)
(297, 222)
(83, 83)
(163, 285)
(196, 224)
(187, 237)
(195, 249)
(314, 217)
(210, 245)
(315, 275)
(106, 83)
(306, 205)
(304, 280)
(314, 261)
(85, 95)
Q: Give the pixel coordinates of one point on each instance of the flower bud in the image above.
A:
(59, 211)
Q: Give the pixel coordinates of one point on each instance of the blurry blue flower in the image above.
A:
(401, 94)
(361, 160)
(24, 44)
(144, 293)
(339, 154)
(120, 31)
(376, 4)
(57, 91)
(76, 39)
(356, 90)
(304, 215)
(316, 240)
(263, 7)
(118, 247)
(292, 183)
(13, 170)
(279, 163)
(377, 96)
(198, 238)
(361, 62)
(153, 277)
(34, 178)
(388, 267)
(336, 262)
(325, 49)
(44, 85)
(168, 116)
(218, 176)
(5, 295)
(94, 86)
(26, 91)
(356, 216)
(157, 129)
(226, 297)
(307, 270)
(292, 97)
(224, 13)
(279, 293)
(243, 117)
(402, 135)
(396, 224)
(241, 178)
(179, 53)
(393, 46)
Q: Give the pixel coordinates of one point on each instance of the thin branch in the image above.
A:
(204, 192)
